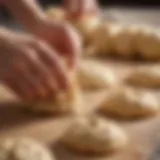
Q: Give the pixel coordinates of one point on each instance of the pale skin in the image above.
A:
(31, 64)
(78, 8)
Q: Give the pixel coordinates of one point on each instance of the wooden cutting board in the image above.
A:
(144, 135)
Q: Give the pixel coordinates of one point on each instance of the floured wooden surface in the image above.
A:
(143, 134)
(15, 121)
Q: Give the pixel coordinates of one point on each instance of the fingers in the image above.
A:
(88, 7)
(72, 45)
(40, 73)
(20, 88)
(33, 79)
(22, 82)
(36, 72)
(24, 73)
(54, 64)
(74, 8)
(78, 8)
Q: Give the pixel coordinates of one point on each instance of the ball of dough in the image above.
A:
(64, 102)
(67, 101)
(23, 149)
(55, 12)
(95, 136)
(148, 43)
(146, 76)
(123, 40)
(129, 103)
(85, 25)
(101, 40)
(92, 75)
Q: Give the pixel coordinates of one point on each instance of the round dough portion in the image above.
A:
(55, 12)
(101, 40)
(95, 136)
(65, 102)
(146, 76)
(95, 76)
(123, 39)
(23, 149)
(85, 25)
(128, 103)
(148, 43)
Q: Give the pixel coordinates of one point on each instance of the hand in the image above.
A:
(30, 67)
(61, 36)
(79, 8)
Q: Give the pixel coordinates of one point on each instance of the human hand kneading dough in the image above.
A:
(31, 65)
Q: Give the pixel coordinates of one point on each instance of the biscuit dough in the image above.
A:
(23, 149)
(123, 39)
(94, 135)
(147, 76)
(127, 103)
(68, 101)
(95, 76)
(85, 25)
(148, 43)
(100, 38)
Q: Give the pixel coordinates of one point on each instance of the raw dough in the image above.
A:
(92, 75)
(148, 43)
(101, 40)
(65, 102)
(94, 135)
(23, 149)
(145, 76)
(123, 39)
(55, 12)
(85, 25)
(68, 101)
(127, 103)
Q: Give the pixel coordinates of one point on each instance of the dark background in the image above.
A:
(4, 14)
(114, 2)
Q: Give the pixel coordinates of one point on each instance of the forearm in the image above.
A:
(26, 11)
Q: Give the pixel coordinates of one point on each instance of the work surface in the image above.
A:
(144, 134)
